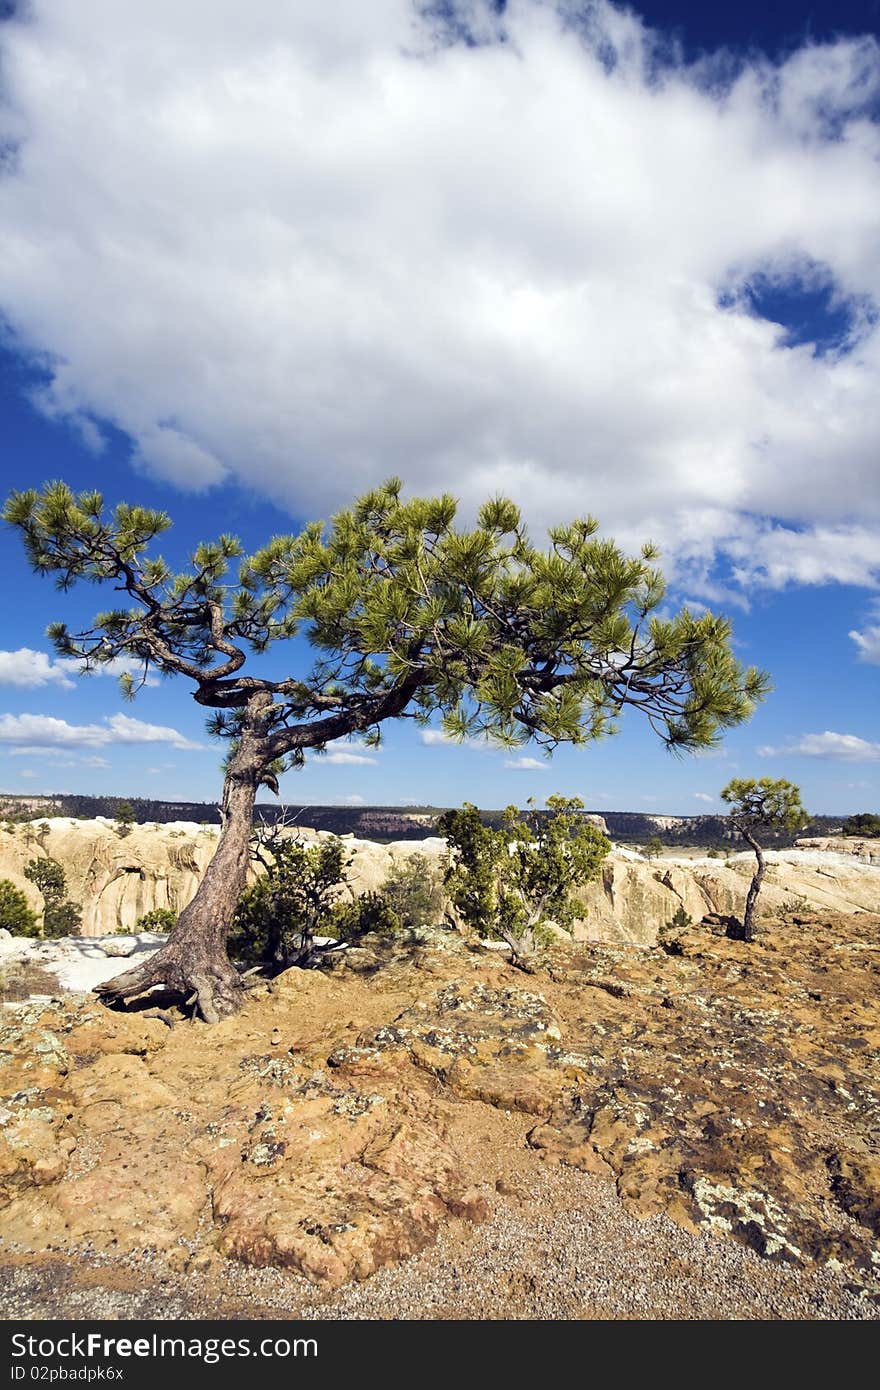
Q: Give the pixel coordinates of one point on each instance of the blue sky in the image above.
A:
(624, 262)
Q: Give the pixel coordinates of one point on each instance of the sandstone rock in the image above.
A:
(115, 880)
(118, 880)
(867, 850)
(735, 1087)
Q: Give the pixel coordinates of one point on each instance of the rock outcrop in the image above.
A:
(342, 1118)
(118, 879)
(635, 899)
(868, 851)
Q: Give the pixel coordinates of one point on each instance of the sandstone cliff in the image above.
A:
(866, 850)
(117, 880)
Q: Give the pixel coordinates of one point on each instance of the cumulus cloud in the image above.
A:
(703, 796)
(525, 764)
(28, 670)
(42, 731)
(843, 747)
(868, 643)
(349, 752)
(526, 266)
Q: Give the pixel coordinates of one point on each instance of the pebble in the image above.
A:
(567, 1250)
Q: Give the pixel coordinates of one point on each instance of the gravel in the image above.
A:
(563, 1248)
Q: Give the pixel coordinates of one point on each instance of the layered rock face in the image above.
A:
(635, 899)
(118, 879)
(868, 851)
(342, 1118)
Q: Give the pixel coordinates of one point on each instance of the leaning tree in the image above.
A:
(410, 616)
(757, 806)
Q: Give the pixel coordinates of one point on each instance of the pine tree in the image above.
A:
(513, 883)
(410, 616)
(16, 916)
(61, 917)
(754, 806)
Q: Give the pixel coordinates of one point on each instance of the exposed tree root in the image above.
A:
(215, 984)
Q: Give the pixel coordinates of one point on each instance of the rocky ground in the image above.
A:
(690, 1130)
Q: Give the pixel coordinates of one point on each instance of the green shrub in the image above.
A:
(414, 892)
(278, 918)
(714, 853)
(796, 904)
(159, 919)
(654, 848)
(372, 912)
(680, 920)
(511, 884)
(60, 916)
(15, 915)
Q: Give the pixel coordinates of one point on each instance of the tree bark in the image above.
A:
(194, 959)
(746, 931)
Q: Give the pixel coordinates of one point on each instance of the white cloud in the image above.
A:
(349, 751)
(28, 670)
(353, 759)
(703, 796)
(41, 731)
(868, 644)
(438, 738)
(353, 800)
(775, 556)
(845, 747)
(458, 264)
(526, 764)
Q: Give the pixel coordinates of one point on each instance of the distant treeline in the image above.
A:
(391, 822)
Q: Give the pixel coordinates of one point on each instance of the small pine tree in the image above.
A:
(61, 917)
(125, 819)
(680, 919)
(15, 915)
(755, 806)
(278, 918)
(511, 884)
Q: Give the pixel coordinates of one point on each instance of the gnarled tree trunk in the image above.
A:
(745, 931)
(194, 959)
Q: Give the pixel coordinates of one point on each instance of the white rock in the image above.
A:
(119, 945)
